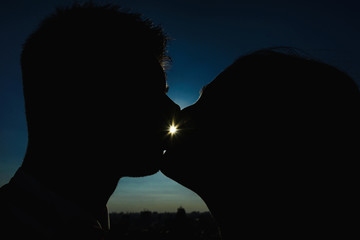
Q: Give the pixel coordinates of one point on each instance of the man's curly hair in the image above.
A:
(81, 29)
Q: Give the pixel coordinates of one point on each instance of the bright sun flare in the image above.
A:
(172, 129)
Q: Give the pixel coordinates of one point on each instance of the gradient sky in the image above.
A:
(207, 37)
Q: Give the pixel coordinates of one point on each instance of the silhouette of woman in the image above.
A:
(271, 147)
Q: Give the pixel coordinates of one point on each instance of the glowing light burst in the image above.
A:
(172, 129)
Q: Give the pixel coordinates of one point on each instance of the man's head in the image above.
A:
(94, 85)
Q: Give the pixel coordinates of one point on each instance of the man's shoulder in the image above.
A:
(7, 196)
(27, 208)
(17, 218)
(10, 226)
(4, 190)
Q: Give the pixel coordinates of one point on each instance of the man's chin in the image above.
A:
(142, 169)
(142, 173)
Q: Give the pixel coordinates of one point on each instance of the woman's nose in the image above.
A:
(171, 106)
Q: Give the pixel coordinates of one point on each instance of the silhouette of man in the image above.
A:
(271, 147)
(96, 107)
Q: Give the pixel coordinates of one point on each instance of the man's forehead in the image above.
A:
(148, 77)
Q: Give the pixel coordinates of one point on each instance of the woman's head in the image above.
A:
(265, 111)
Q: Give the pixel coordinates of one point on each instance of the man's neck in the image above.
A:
(85, 186)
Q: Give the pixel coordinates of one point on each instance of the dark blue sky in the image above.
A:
(207, 37)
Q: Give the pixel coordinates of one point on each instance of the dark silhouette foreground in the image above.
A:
(96, 108)
(274, 137)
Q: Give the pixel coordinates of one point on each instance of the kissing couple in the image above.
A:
(272, 139)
